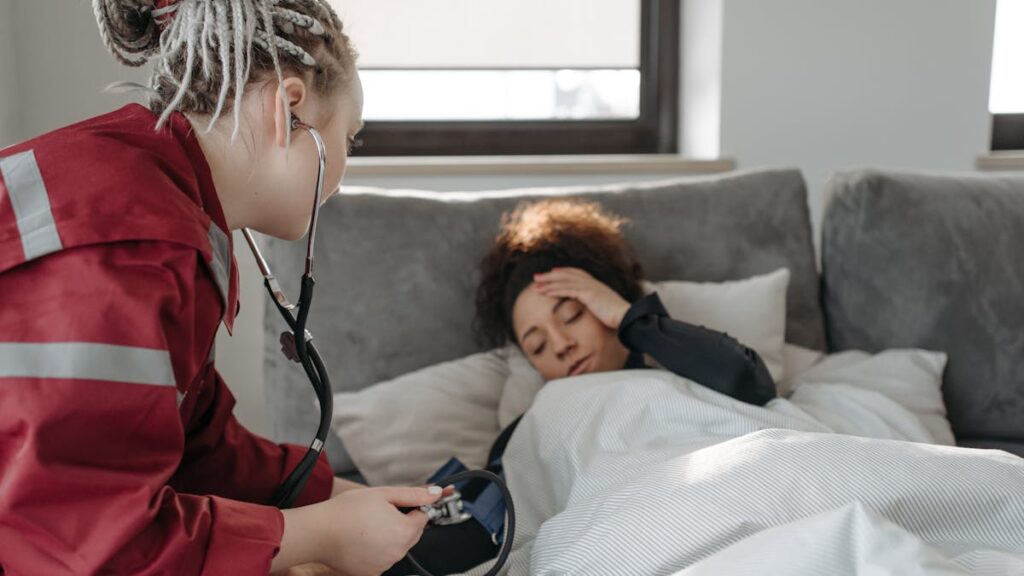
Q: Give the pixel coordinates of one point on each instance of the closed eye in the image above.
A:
(574, 317)
(539, 349)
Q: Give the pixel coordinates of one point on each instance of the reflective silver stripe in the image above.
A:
(86, 361)
(221, 261)
(31, 205)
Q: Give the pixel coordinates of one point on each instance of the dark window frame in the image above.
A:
(1007, 132)
(655, 131)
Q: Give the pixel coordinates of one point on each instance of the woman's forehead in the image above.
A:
(532, 309)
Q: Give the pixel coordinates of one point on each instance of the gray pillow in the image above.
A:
(396, 271)
(924, 260)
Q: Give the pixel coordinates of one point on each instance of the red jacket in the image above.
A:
(118, 450)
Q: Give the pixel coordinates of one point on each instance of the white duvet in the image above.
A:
(643, 472)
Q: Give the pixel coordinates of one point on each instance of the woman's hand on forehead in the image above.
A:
(603, 302)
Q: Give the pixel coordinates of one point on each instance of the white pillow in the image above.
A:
(910, 377)
(522, 385)
(752, 310)
(795, 361)
(401, 431)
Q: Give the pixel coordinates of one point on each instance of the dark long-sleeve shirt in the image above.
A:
(710, 358)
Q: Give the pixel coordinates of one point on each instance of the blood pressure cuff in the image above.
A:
(483, 500)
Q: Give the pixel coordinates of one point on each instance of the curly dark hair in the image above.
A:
(541, 235)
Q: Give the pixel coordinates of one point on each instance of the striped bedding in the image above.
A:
(643, 472)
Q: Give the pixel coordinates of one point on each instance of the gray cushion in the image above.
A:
(396, 272)
(934, 261)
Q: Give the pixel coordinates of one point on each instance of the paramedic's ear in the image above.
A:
(295, 91)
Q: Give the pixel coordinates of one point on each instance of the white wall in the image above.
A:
(829, 84)
(10, 126)
(817, 84)
(62, 66)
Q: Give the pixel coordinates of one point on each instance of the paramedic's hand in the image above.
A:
(602, 301)
(369, 533)
(360, 532)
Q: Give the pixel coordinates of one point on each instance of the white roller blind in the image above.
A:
(494, 33)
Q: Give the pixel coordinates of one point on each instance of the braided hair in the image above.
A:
(206, 52)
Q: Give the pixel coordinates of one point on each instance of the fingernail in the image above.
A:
(434, 490)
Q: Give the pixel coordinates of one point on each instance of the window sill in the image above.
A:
(1009, 160)
(510, 165)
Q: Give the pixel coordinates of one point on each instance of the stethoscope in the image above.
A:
(297, 345)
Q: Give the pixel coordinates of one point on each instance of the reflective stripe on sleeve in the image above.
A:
(86, 361)
(221, 261)
(31, 205)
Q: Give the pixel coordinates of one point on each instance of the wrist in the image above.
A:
(301, 539)
(620, 315)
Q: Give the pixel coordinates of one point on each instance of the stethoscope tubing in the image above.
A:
(306, 353)
(301, 340)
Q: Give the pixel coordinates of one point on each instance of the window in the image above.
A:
(1006, 97)
(471, 77)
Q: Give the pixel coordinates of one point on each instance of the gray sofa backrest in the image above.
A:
(396, 272)
(934, 261)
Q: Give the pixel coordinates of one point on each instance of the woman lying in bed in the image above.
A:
(562, 283)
